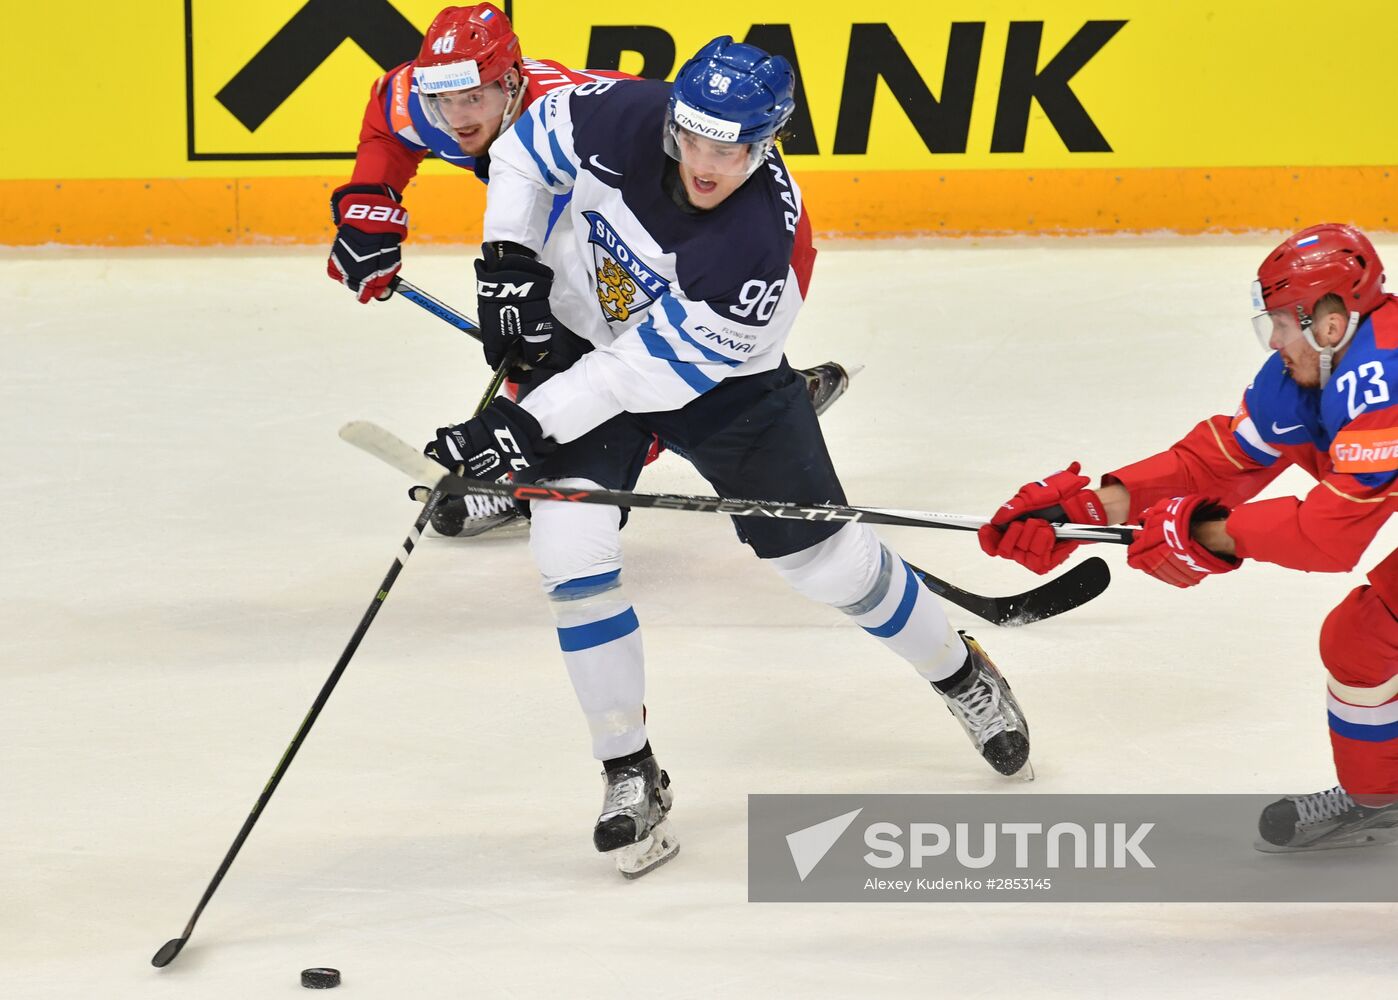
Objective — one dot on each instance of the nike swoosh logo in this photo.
(452, 156)
(1285, 430)
(592, 161)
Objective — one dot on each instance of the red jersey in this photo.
(1345, 435)
(396, 135)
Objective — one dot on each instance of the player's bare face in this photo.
(474, 116)
(1301, 360)
(711, 171)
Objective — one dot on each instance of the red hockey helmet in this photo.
(466, 47)
(1331, 258)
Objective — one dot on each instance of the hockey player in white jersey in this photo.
(692, 253)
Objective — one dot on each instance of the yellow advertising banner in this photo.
(1059, 115)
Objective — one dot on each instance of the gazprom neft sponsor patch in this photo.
(1356, 451)
(453, 76)
(696, 121)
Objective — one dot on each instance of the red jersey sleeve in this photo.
(1207, 460)
(1329, 530)
(381, 158)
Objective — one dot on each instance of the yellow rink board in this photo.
(960, 117)
(447, 209)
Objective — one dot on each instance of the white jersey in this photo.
(673, 300)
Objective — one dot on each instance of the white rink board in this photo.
(188, 546)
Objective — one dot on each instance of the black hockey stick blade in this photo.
(1063, 593)
(167, 952)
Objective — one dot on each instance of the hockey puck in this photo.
(320, 979)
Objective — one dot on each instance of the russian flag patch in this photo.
(1308, 241)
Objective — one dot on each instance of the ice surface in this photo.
(187, 546)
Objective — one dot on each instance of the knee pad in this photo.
(571, 541)
(845, 570)
(1359, 647)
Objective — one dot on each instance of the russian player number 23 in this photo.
(1349, 381)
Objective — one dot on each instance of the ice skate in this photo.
(1324, 821)
(987, 710)
(827, 383)
(633, 827)
(467, 516)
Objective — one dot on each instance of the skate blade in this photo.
(505, 524)
(659, 847)
(1025, 773)
(1360, 838)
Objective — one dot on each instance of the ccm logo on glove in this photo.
(504, 289)
(486, 461)
(1165, 546)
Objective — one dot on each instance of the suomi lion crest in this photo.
(625, 282)
(615, 291)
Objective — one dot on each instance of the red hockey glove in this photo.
(1166, 550)
(366, 253)
(1020, 529)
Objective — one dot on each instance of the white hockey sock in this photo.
(601, 642)
(855, 572)
(907, 618)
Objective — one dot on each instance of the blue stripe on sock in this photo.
(1369, 734)
(585, 582)
(900, 617)
(579, 637)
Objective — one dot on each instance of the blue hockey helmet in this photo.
(731, 93)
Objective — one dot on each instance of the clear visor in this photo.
(458, 110)
(1277, 329)
(708, 157)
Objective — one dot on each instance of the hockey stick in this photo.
(1063, 593)
(436, 307)
(171, 948)
(406, 459)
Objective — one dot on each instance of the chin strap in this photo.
(1327, 354)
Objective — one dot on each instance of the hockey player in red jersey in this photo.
(1325, 400)
(467, 86)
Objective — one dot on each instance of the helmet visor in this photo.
(709, 146)
(1277, 329)
(456, 110)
